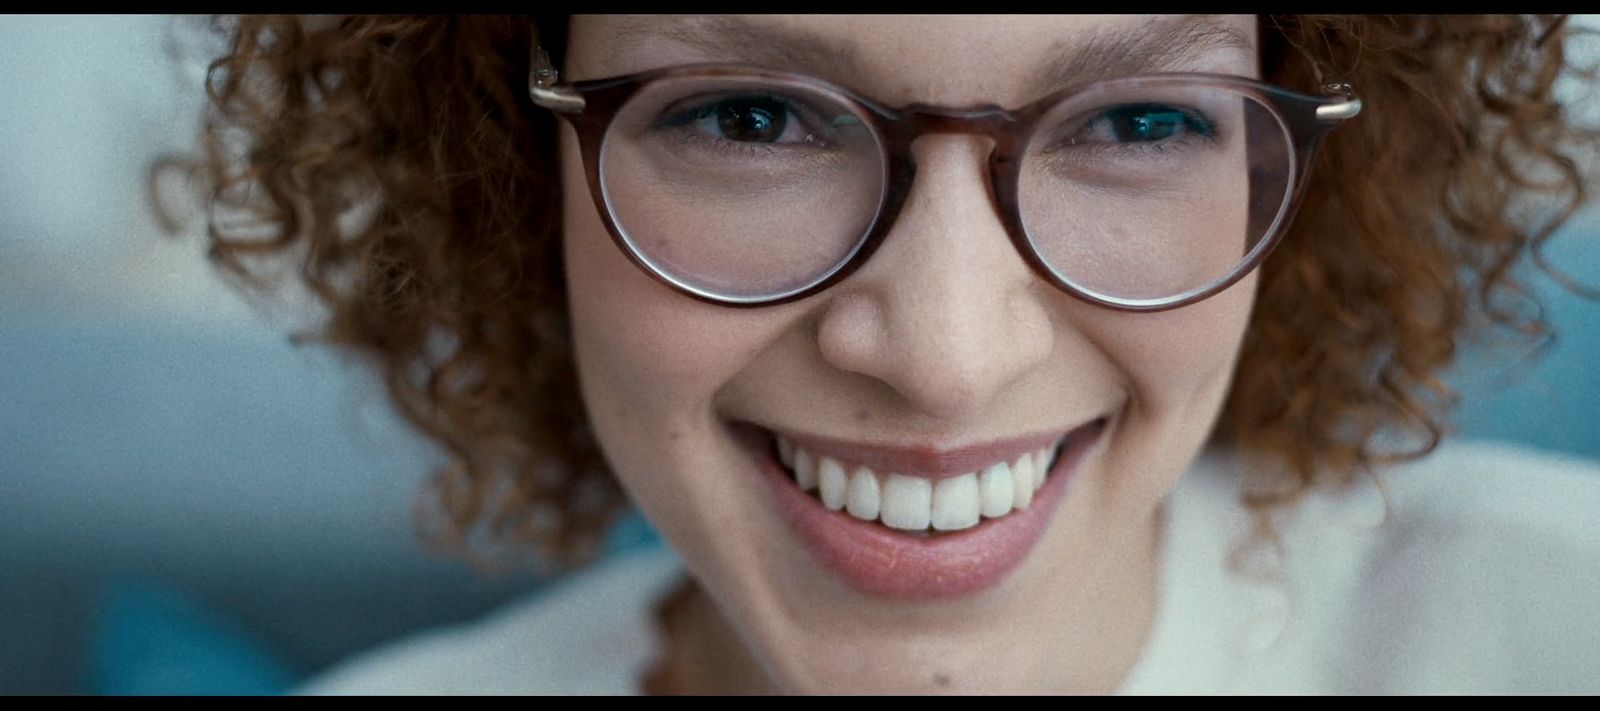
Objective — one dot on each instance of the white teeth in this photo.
(1022, 485)
(907, 502)
(956, 503)
(833, 483)
(913, 503)
(805, 470)
(862, 497)
(995, 484)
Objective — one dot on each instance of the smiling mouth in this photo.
(927, 535)
(916, 504)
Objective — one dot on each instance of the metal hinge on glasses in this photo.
(1342, 110)
(1342, 89)
(541, 83)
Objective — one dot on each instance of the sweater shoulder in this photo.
(588, 633)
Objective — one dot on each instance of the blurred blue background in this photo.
(188, 504)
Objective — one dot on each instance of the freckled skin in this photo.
(944, 335)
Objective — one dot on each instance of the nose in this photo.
(946, 313)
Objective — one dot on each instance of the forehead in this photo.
(950, 60)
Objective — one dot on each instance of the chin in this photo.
(913, 661)
(820, 621)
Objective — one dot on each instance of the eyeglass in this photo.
(742, 186)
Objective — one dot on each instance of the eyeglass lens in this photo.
(755, 188)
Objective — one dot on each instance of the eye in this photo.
(1144, 124)
(748, 119)
(759, 120)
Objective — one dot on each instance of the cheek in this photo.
(645, 354)
(1183, 360)
(651, 363)
(1179, 365)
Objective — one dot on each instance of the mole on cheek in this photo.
(862, 415)
(941, 679)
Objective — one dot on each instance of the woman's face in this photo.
(942, 355)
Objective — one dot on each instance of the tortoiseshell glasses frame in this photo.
(592, 106)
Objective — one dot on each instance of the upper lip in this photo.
(927, 460)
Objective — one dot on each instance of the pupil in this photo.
(757, 121)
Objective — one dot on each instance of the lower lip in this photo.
(882, 562)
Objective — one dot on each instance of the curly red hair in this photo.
(399, 164)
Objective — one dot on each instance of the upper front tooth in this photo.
(831, 474)
(1022, 485)
(907, 502)
(916, 503)
(956, 502)
(861, 498)
(805, 469)
(995, 483)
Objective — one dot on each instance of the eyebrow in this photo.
(740, 41)
(1161, 45)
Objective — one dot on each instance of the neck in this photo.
(700, 652)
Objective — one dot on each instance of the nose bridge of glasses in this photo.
(912, 122)
(917, 120)
(1000, 126)
(946, 296)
